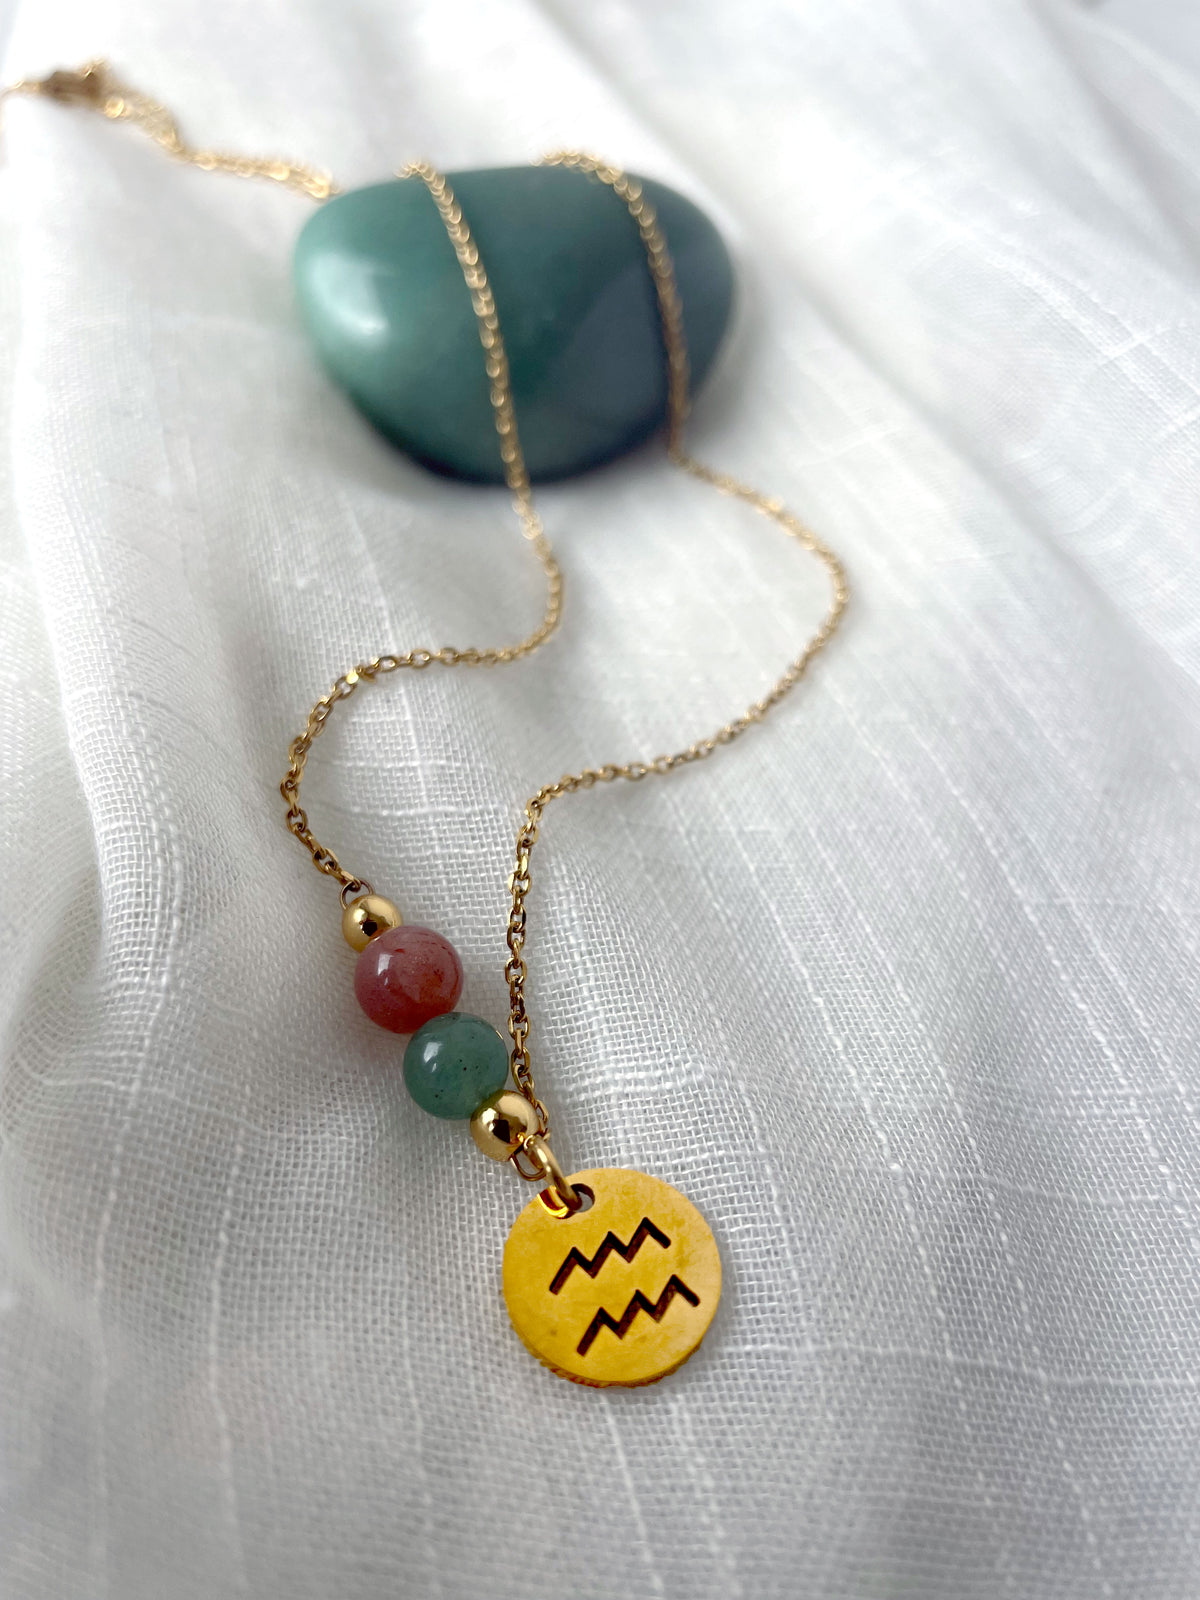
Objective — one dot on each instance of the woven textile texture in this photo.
(901, 990)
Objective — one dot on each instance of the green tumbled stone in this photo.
(454, 1063)
(382, 295)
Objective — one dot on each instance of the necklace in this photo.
(591, 1320)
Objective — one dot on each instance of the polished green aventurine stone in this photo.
(382, 294)
(454, 1063)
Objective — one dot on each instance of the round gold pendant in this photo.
(619, 1293)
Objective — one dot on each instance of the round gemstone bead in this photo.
(406, 976)
(454, 1063)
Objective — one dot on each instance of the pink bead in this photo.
(407, 976)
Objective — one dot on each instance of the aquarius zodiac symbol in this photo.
(612, 1245)
(563, 1289)
(652, 1308)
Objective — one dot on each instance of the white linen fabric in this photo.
(901, 990)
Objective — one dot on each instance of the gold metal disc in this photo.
(620, 1293)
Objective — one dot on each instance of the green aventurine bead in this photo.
(382, 295)
(454, 1063)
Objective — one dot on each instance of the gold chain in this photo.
(517, 478)
(94, 86)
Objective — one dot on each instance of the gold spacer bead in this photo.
(363, 919)
(500, 1124)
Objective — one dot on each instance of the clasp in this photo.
(88, 85)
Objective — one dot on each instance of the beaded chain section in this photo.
(96, 87)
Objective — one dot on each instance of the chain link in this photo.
(94, 85)
(517, 478)
(670, 310)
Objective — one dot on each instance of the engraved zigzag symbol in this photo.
(644, 1230)
(655, 1309)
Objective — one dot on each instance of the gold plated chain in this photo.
(670, 311)
(94, 86)
(517, 479)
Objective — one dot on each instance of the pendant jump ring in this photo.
(355, 890)
(558, 1197)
